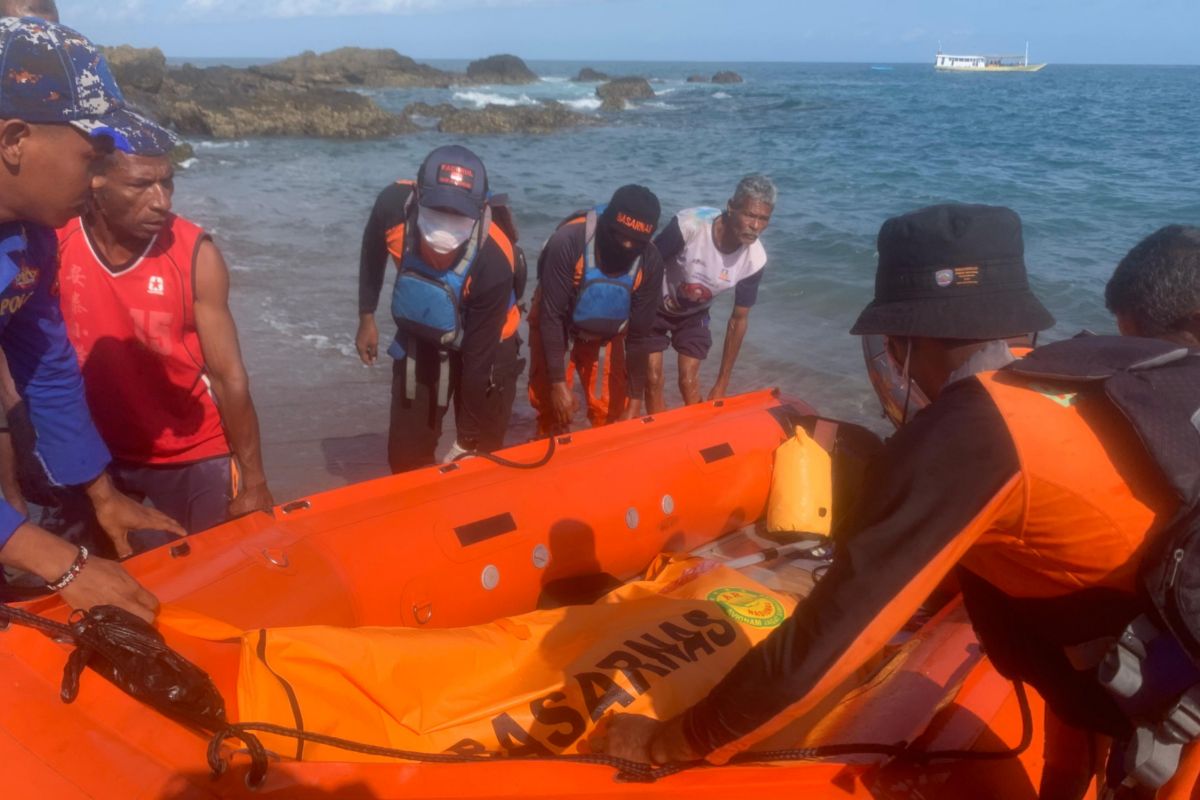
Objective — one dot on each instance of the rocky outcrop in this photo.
(545, 118)
(697, 79)
(429, 110)
(355, 66)
(727, 76)
(589, 75)
(297, 97)
(504, 69)
(182, 153)
(227, 103)
(136, 68)
(616, 92)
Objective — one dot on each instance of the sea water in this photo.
(1092, 157)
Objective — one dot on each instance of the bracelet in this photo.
(72, 572)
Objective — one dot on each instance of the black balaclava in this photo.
(632, 214)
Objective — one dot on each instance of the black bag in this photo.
(133, 655)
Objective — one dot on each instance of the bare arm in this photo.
(735, 332)
(223, 357)
(100, 582)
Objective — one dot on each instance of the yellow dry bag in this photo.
(801, 499)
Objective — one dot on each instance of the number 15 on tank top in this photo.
(153, 329)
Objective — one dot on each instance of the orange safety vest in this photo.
(1090, 496)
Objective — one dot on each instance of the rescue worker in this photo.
(145, 295)
(59, 110)
(599, 281)
(705, 253)
(1155, 290)
(455, 302)
(9, 485)
(1041, 497)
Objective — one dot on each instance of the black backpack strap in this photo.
(1095, 358)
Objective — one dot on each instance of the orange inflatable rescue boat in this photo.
(481, 619)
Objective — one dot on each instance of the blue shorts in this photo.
(689, 335)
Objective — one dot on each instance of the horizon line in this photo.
(677, 60)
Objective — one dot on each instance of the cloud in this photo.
(276, 9)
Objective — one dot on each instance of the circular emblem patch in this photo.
(748, 607)
(944, 277)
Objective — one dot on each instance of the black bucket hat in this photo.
(953, 271)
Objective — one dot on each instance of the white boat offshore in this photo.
(974, 63)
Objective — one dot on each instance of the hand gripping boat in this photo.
(403, 613)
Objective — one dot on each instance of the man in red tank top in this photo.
(145, 297)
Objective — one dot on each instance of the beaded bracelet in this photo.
(72, 572)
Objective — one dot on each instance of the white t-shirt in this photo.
(700, 272)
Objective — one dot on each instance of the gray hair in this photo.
(755, 187)
(1157, 285)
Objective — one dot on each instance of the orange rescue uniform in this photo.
(1042, 497)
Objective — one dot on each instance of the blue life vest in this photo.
(603, 302)
(426, 301)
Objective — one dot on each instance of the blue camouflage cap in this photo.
(50, 73)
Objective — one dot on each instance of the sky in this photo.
(1059, 31)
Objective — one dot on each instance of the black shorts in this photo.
(689, 335)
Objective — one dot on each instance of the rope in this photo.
(627, 771)
(504, 462)
(56, 630)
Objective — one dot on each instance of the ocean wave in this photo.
(656, 104)
(188, 163)
(554, 79)
(481, 99)
(661, 92)
(291, 330)
(322, 342)
(721, 96)
(211, 145)
(583, 103)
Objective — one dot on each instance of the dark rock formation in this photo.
(227, 103)
(616, 92)
(182, 153)
(545, 118)
(697, 79)
(135, 68)
(727, 76)
(429, 110)
(355, 66)
(296, 97)
(589, 75)
(504, 69)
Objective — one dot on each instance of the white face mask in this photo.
(443, 231)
